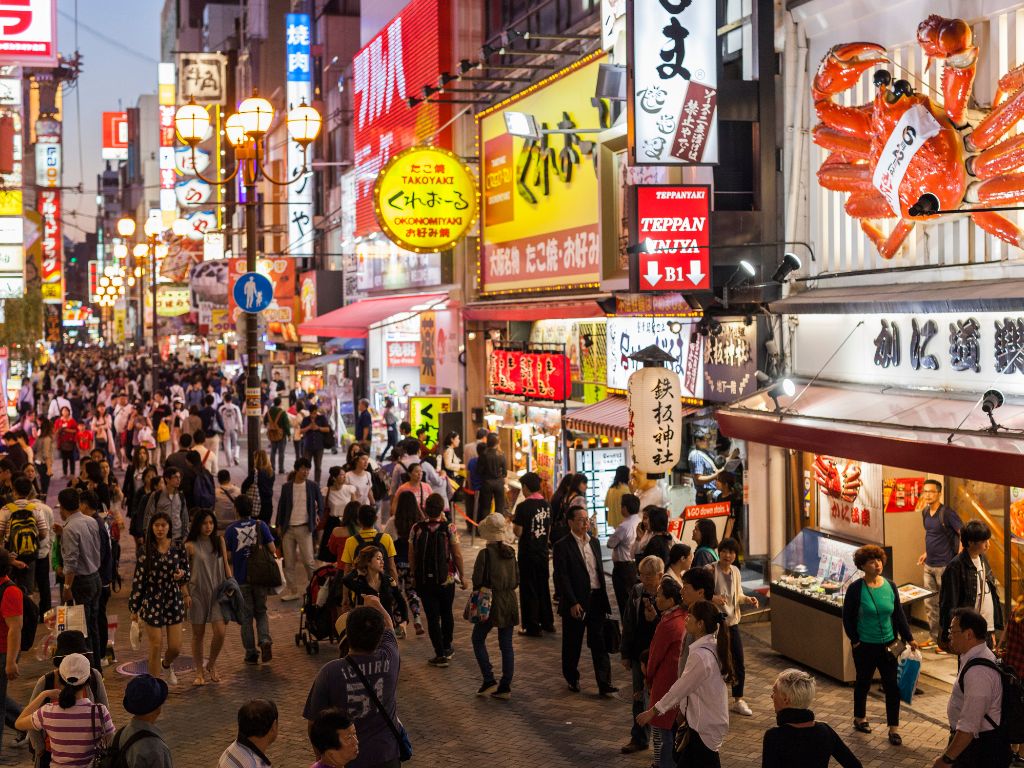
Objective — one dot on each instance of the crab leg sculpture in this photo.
(901, 148)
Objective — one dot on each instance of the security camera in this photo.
(991, 400)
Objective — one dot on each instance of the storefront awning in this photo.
(886, 426)
(354, 321)
(900, 297)
(318, 362)
(529, 311)
(608, 417)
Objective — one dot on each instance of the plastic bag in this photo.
(909, 672)
(44, 650)
(135, 635)
(284, 582)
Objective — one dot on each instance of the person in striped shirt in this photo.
(75, 725)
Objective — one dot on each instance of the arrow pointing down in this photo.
(653, 275)
(695, 274)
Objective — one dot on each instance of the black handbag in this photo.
(612, 635)
(262, 571)
(399, 732)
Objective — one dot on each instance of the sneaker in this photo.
(288, 598)
(400, 632)
(607, 693)
(252, 658)
(438, 661)
(740, 707)
(503, 692)
(450, 653)
(172, 679)
(266, 652)
(487, 688)
(926, 643)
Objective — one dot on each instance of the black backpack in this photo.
(1011, 720)
(433, 554)
(203, 491)
(29, 617)
(362, 543)
(116, 755)
(23, 535)
(378, 485)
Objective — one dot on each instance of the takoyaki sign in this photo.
(849, 494)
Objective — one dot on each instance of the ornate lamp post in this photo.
(246, 131)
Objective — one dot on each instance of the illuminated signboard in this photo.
(53, 246)
(48, 163)
(674, 225)
(115, 136)
(298, 70)
(28, 32)
(166, 109)
(533, 375)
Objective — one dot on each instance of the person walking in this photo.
(43, 450)
(364, 423)
(624, 576)
(24, 531)
(359, 478)
(798, 739)
(231, 418)
(531, 524)
(493, 470)
(391, 425)
(314, 430)
(264, 477)
(942, 527)
(729, 597)
(171, 502)
(299, 509)
(435, 560)
(209, 566)
(969, 582)
(700, 691)
(415, 485)
(584, 604)
(66, 430)
(11, 618)
(241, 538)
(496, 569)
(279, 430)
(639, 620)
(213, 427)
(975, 706)
(406, 514)
(80, 548)
(369, 577)
(661, 668)
(160, 594)
(872, 619)
(141, 741)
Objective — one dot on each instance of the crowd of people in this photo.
(377, 552)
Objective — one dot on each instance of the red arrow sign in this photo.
(674, 227)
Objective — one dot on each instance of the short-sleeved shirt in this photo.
(10, 606)
(941, 542)
(702, 464)
(364, 424)
(348, 555)
(71, 731)
(240, 537)
(337, 685)
(314, 439)
(534, 517)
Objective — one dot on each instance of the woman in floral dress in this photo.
(160, 593)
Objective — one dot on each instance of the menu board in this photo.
(599, 466)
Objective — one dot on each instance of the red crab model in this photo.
(903, 152)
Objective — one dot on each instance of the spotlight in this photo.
(465, 65)
(991, 400)
(445, 78)
(512, 34)
(775, 388)
(926, 205)
(428, 91)
(487, 50)
(743, 272)
(588, 340)
(412, 101)
(790, 263)
(675, 326)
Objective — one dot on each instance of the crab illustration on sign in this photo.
(903, 149)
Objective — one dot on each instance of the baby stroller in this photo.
(321, 606)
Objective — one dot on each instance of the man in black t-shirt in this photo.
(532, 524)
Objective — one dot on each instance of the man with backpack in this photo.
(231, 416)
(279, 429)
(213, 426)
(23, 529)
(204, 487)
(141, 744)
(434, 561)
(984, 706)
(242, 537)
(369, 536)
(170, 501)
(941, 543)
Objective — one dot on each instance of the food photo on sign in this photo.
(849, 497)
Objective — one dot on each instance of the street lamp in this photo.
(126, 227)
(246, 131)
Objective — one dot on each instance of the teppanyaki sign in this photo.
(673, 224)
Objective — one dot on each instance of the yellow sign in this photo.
(541, 202)
(120, 320)
(425, 411)
(172, 300)
(10, 202)
(425, 199)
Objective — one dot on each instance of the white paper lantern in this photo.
(655, 419)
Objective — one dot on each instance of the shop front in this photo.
(856, 457)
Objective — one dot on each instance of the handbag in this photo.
(263, 570)
(612, 635)
(71, 616)
(909, 672)
(252, 493)
(478, 607)
(399, 732)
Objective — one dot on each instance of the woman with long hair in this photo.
(208, 559)
(406, 514)
(415, 485)
(701, 692)
(75, 726)
(66, 430)
(450, 461)
(348, 526)
(264, 477)
(359, 478)
(705, 536)
(101, 424)
(613, 498)
(160, 593)
(151, 483)
(369, 577)
(663, 663)
(44, 454)
(133, 476)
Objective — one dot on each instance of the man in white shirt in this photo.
(231, 415)
(621, 542)
(975, 704)
(299, 509)
(58, 402)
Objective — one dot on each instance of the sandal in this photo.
(200, 680)
(895, 739)
(212, 674)
(863, 727)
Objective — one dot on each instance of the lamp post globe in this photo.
(303, 123)
(256, 115)
(152, 227)
(126, 227)
(140, 250)
(234, 129)
(192, 121)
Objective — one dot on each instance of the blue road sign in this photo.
(253, 292)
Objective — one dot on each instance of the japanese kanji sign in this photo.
(425, 411)
(533, 375)
(53, 246)
(673, 223)
(298, 57)
(849, 498)
(425, 199)
(28, 32)
(201, 76)
(672, 46)
(115, 136)
(655, 419)
(403, 354)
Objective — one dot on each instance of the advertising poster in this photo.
(901, 494)
(628, 335)
(1017, 514)
(849, 498)
(425, 411)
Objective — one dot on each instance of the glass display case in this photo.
(816, 565)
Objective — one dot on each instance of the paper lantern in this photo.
(655, 419)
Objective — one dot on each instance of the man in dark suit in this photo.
(584, 601)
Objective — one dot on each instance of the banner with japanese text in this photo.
(849, 498)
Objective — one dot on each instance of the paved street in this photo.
(543, 723)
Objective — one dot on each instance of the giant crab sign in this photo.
(903, 156)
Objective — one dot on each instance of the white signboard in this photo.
(962, 352)
(673, 51)
(849, 498)
(202, 76)
(47, 164)
(12, 258)
(628, 335)
(28, 32)
(12, 230)
(10, 92)
(12, 286)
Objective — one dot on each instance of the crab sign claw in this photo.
(842, 67)
(952, 41)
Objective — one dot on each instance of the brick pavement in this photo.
(543, 722)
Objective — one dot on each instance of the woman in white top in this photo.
(700, 692)
(359, 478)
(729, 597)
(338, 493)
(450, 461)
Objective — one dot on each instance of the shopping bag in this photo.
(279, 561)
(909, 671)
(71, 617)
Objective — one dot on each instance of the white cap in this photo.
(75, 669)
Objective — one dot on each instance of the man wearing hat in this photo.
(141, 741)
(704, 469)
(532, 524)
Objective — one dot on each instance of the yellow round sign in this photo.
(426, 199)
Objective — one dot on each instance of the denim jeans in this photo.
(508, 657)
(664, 746)
(277, 455)
(86, 592)
(255, 600)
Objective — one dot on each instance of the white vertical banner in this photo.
(299, 82)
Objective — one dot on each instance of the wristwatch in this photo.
(947, 759)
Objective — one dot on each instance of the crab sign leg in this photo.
(845, 177)
(951, 40)
(868, 204)
(998, 122)
(999, 226)
(888, 246)
(1008, 83)
(855, 121)
(1005, 156)
(834, 141)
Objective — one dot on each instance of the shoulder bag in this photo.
(478, 607)
(897, 646)
(398, 731)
